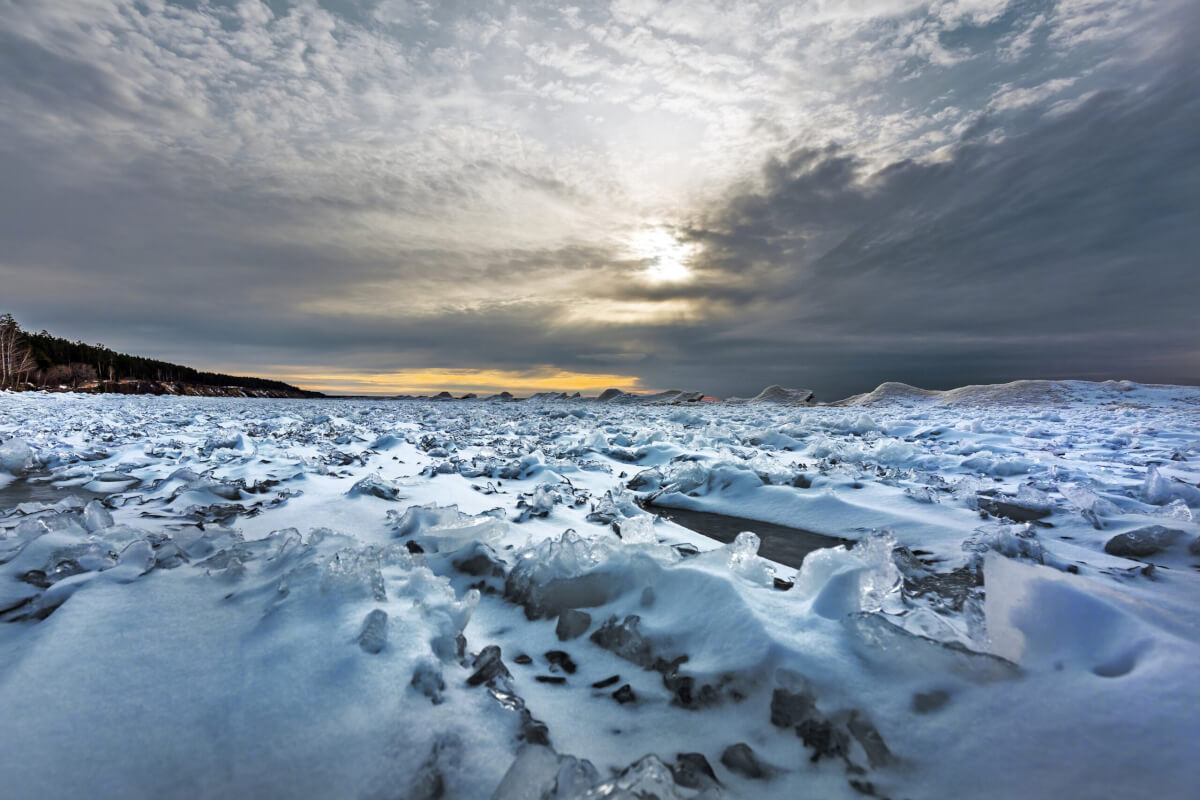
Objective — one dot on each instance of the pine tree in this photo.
(16, 356)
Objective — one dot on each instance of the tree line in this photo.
(42, 360)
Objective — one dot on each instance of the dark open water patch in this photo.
(779, 542)
(24, 491)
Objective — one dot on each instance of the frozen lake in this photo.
(310, 598)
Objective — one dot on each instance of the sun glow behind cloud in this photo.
(456, 381)
(667, 259)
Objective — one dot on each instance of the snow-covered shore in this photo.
(210, 597)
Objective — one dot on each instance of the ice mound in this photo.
(614, 505)
(775, 395)
(729, 639)
(671, 397)
(886, 394)
(1160, 489)
(695, 479)
(236, 443)
(374, 486)
(840, 582)
(1024, 392)
(290, 634)
(644, 599)
(1014, 541)
(540, 772)
(1043, 619)
(52, 554)
(884, 642)
(999, 467)
(1090, 505)
(17, 457)
(445, 528)
(387, 441)
(538, 503)
(573, 572)
(648, 777)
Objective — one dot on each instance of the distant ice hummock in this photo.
(776, 395)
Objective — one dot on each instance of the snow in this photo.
(464, 598)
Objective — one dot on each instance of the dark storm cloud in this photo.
(1067, 250)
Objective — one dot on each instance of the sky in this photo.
(391, 196)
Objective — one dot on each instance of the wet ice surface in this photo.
(779, 543)
(15, 492)
(209, 597)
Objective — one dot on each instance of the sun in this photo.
(667, 259)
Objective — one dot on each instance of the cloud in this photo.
(1064, 250)
(865, 190)
(1009, 97)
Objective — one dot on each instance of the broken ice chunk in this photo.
(1142, 542)
(136, 559)
(922, 494)
(1176, 509)
(374, 486)
(1045, 619)
(741, 759)
(488, 666)
(572, 624)
(647, 777)
(638, 530)
(880, 583)
(904, 650)
(1160, 489)
(869, 738)
(624, 639)
(538, 504)
(1013, 508)
(373, 636)
(447, 529)
(1010, 540)
(744, 561)
(96, 516)
(17, 457)
(693, 771)
(540, 772)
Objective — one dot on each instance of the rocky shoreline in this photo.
(168, 388)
